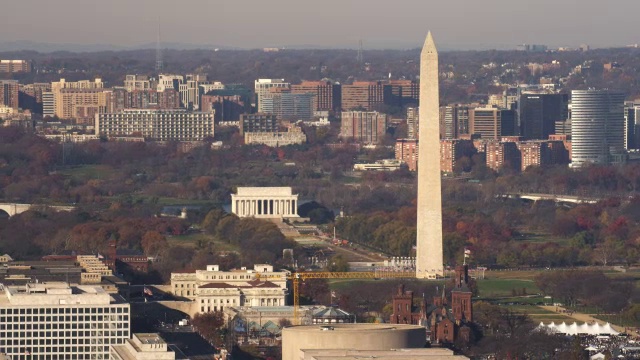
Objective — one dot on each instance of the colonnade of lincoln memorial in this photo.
(264, 202)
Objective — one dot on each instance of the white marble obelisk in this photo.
(429, 256)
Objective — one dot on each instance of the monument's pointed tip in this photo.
(429, 44)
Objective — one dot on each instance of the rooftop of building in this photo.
(357, 327)
(24, 272)
(147, 346)
(331, 312)
(417, 353)
(265, 191)
(55, 293)
(149, 338)
(249, 284)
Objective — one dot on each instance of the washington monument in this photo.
(429, 242)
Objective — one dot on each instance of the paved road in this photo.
(360, 255)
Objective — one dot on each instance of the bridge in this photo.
(554, 197)
(13, 209)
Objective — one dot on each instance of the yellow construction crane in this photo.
(295, 278)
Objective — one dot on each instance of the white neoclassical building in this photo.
(265, 202)
(215, 290)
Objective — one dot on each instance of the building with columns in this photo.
(215, 290)
(265, 202)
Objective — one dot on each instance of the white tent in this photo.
(575, 329)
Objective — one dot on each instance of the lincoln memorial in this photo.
(265, 202)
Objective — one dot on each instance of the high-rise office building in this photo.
(364, 95)
(508, 123)
(412, 122)
(190, 91)
(597, 126)
(288, 106)
(262, 88)
(48, 104)
(448, 122)
(56, 320)
(327, 95)
(15, 66)
(258, 122)
(138, 82)
(169, 81)
(144, 99)
(366, 127)
(462, 120)
(631, 125)
(539, 114)
(486, 122)
(30, 96)
(9, 90)
(79, 100)
(403, 93)
(158, 125)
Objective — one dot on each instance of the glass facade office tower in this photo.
(597, 126)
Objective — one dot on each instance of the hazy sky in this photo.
(327, 23)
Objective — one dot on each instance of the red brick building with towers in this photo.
(446, 322)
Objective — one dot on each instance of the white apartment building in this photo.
(216, 85)
(137, 82)
(60, 321)
(263, 86)
(190, 91)
(158, 125)
(275, 139)
(143, 347)
(214, 290)
(169, 81)
(48, 104)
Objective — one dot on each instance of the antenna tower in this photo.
(158, 51)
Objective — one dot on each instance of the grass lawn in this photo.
(493, 288)
(557, 318)
(526, 301)
(193, 241)
(168, 201)
(619, 320)
(87, 172)
(540, 238)
(531, 310)
(338, 284)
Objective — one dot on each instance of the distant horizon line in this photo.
(46, 47)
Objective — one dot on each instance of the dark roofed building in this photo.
(124, 260)
(445, 324)
(25, 272)
(332, 315)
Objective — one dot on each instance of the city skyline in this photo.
(285, 23)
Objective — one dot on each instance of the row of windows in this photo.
(215, 301)
(67, 318)
(68, 326)
(63, 310)
(61, 338)
(81, 352)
